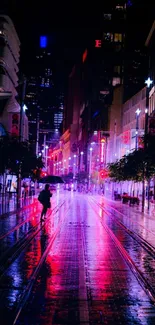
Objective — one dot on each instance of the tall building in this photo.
(9, 59)
(44, 101)
(91, 84)
(108, 62)
(150, 44)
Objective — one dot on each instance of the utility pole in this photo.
(20, 139)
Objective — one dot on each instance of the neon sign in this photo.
(102, 149)
(43, 41)
(98, 43)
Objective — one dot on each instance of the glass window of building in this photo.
(108, 37)
(116, 81)
(118, 37)
(107, 16)
(117, 69)
(119, 7)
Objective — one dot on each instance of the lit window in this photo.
(116, 81)
(107, 16)
(117, 69)
(108, 37)
(117, 37)
(118, 7)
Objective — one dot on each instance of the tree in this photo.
(17, 155)
(138, 166)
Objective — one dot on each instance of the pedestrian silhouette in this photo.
(44, 199)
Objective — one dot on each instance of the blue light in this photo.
(129, 3)
(43, 41)
(95, 114)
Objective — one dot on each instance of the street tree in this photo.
(15, 155)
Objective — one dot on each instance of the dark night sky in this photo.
(70, 24)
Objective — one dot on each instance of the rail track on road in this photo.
(27, 291)
(12, 252)
(114, 229)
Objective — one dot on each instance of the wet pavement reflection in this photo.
(84, 279)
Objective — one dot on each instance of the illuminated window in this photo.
(107, 16)
(117, 69)
(117, 37)
(116, 81)
(118, 7)
(108, 37)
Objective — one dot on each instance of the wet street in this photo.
(89, 262)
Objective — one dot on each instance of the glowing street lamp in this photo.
(46, 150)
(90, 162)
(138, 111)
(148, 82)
(137, 126)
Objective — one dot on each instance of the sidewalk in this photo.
(137, 208)
(9, 205)
(132, 217)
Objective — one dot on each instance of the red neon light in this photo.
(98, 43)
(84, 55)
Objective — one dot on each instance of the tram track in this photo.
(27, 291)
(144, 243)
(9, 256)
(18, 226)
(146, 285)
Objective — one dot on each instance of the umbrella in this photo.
(51, 180)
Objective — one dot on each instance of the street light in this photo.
(74, 166)
(90, 160)
(137, 126)
(46, 149)
(148, 82)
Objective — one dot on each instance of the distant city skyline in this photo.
(70, 28)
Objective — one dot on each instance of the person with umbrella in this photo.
(44, 199)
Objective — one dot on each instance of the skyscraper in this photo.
(44, 101)
(106, 64)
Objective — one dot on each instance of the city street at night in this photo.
(87, 263)
(77, 163)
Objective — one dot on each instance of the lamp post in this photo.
(21, 138)
(74, 170)
(81, 160)
(148, 83)
(46, 153)
(137, 126)
(90, 161)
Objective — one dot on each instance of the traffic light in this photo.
(102, 174)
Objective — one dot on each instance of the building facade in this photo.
(9, 59)
(44, 99)
(127, 125)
